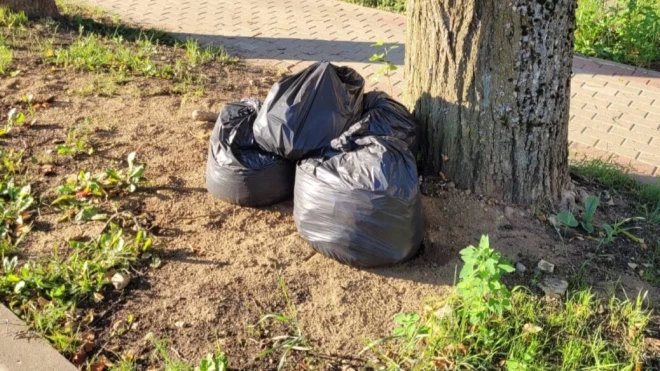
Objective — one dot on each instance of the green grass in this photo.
(398, 6)
(522, 332)
(16, 202)
(212, 362)
(652, 273)
(11, 19)
(627, 32)
(6, 55)
(199, 55)
(90, 53)
(617, 178)
(46, 293)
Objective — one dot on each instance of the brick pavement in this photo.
(615, 109)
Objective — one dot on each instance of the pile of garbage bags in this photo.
(348, 158)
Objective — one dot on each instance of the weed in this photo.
(612, 175)
(46, 294)
(293, 339)
(16, 202)
(81, 195)
(212, 362)
(610, 232)
(652, 215)
(652, 271)
(479, 279)
(11, 19)
(533, 334)
(103, 85)
(198, 55)
(387, 68)
(627, 32)
(6, 57)
(567, 218)
(14, 118)
(76, 141)
(89, 53)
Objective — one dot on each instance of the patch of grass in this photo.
(90, 53)
(489, 327)
(616, 177)
(76, 141)
(292, 340)
(103, 85)
(6, 56)
(212, 362)
(627, 32)
(16, 202)
(652, 215)
(80, 196)
(11, 19)
(199, 55)
(398, 6)
(46, 294)
(651, 272)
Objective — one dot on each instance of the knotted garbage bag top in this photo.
(304, 112)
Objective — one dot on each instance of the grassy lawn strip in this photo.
(626, 31)
(398, 6)
(482, 325)
(617, 178)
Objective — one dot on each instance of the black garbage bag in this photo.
(391, 118)
(237, 170)
(304, 112)
(359, 202)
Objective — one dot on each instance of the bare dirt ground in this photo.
(223, 265)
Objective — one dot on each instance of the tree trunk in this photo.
(489, 81)
(33, 8)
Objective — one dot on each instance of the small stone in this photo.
(508, 212)
(120, 280)
(451, 185)
(444, 312)
(605, 196)
(529, 328)
(553, 287)
(520, 267)
(567, 201)
(610, 202)
(633, 265)
(545, 266)
(468, 192)
(48, 170)
(180, 324)
(582, 195)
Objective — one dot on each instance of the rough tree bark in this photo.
(489, 81)
(33, 8)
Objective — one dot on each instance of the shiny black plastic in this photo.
(359, 202)
(391, 118)
(237, 170)
(304, 112)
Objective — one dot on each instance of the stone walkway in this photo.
(615, 109)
